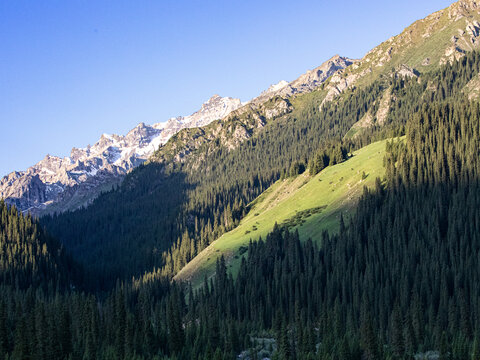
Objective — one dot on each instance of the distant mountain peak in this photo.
(276, 87)
(214, 97)
(306, 82)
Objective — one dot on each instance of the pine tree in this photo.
(475, 355)
(397, 340)
(284, 347)
(369, 339)
(4, 343)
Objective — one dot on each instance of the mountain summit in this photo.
(215, 108)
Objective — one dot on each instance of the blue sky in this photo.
(72, 70)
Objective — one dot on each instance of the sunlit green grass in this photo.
(309, 204)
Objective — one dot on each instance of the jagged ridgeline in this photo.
(199, 185)
(165, 212)
(29, 257)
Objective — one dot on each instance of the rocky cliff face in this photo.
(59, 184)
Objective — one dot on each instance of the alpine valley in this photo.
(336, 216)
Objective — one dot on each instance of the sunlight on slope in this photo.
(309, 204)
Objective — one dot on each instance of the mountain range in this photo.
(76, 180)
(57, 184)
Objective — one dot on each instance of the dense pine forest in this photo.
(400, 279)
(30, 257)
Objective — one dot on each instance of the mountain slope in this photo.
(198, 185)
(306, 82)
(242, 123)
(400, 281)
(439, 38)
(57, 185)
(187, 184)
(310, 204)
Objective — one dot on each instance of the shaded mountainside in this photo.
(395, 275)
(31, 258)
(154, 197)
(399, 280)
(144, 225)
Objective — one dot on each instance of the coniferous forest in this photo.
(400, 279)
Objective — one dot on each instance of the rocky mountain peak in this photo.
(313, 78)
(140, 132)
(215, 108)
(306, 82)
(275, 87)
(215, 98)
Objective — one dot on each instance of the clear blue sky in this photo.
(72, 70)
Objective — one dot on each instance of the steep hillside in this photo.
(309, 204)
(183, 203)
(172, 193)
(440, 38)
(399, 282)
(242, 123)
